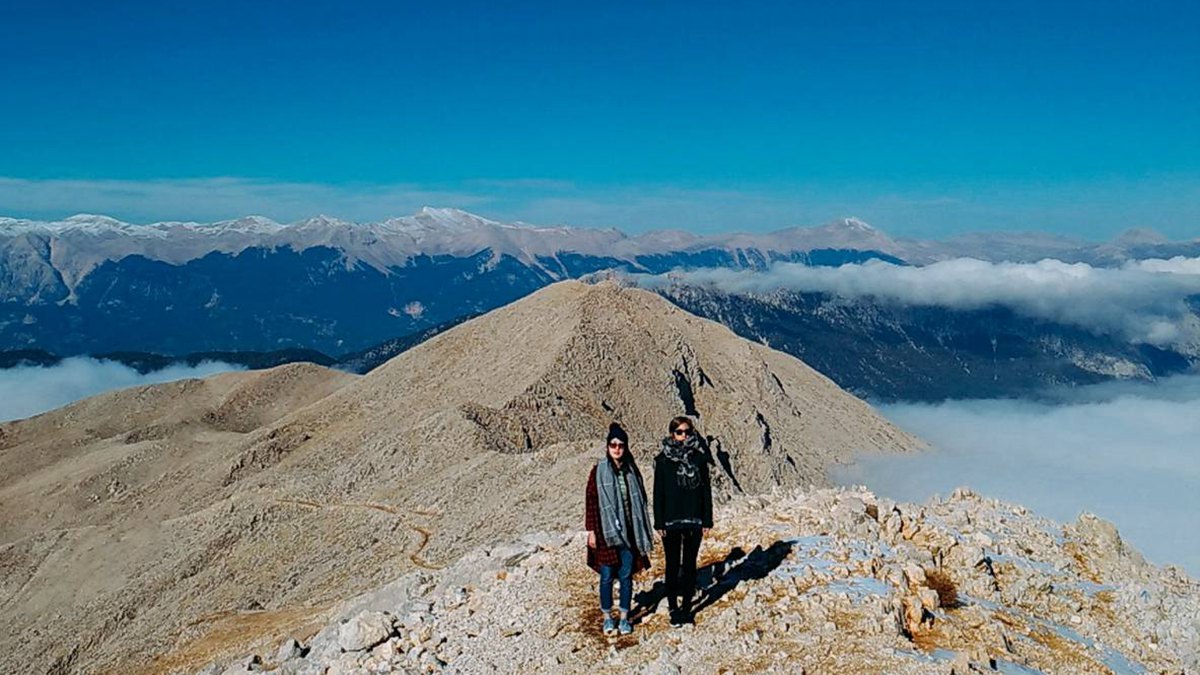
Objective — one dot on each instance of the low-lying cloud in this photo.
(1127, 452)
(1144, 301)
(29, 390)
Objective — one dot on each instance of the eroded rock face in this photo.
(833, 580)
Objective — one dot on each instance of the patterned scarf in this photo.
(612, 508)
(686, 455)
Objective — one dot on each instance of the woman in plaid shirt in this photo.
(619, 534)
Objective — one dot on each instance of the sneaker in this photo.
(626, 627)
(610, 626)
(676, 618)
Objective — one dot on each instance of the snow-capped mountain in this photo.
(91, 283)
(83, 242)
(94, 283)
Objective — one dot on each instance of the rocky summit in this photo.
(823, 581)
(161, 528)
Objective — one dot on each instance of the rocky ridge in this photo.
(832, 580)
(251, 503)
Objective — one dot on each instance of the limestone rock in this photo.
(290, 649)
(364, 631)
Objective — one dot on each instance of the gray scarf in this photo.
(612, 508)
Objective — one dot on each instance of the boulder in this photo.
(290, 649)
(364, 631)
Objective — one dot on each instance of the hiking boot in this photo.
(610, 626)
(676, 618)
(626, 627)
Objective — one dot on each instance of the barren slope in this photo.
(252, 515)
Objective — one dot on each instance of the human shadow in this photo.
(757, 565)
(717, 578)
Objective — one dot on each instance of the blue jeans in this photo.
(610, 573)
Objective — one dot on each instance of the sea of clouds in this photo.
(1128, 452)
(29, 390)
(1143, 301)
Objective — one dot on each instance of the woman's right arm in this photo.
(591, 509)
(659, 496)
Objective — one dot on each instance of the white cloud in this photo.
(1127, 452)
(29, 390)
(1176, 265)
(1141, 302)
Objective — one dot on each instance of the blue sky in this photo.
(924, 118)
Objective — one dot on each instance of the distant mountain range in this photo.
(928, 353)
(354, 294)
(94, 284)
(876, 352)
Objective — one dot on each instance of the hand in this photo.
(661, 533)
(704, 532)
(591, 540)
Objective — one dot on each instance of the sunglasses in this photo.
(616, 444)
(682, 432)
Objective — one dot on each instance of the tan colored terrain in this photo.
(206, 516)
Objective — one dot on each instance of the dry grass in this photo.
(1082, 565)
(228, 635)
(873, 511)
(1066, 653)
(940, 581)
(929, 637)
(578, 591)
(1103, 606)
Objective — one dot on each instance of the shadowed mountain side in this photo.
(292, 503)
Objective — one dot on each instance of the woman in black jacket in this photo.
(682, 511)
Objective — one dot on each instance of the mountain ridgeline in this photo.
(928, 353)
(92, 285)
(351, 296)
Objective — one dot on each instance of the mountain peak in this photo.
(322, 220)
(853, 224)
(1139, 235)
(93, 217)
(599, 346)
(452, 216)
(247, 224)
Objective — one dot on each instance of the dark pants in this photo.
(681, 548)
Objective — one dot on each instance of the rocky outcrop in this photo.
(834, 580)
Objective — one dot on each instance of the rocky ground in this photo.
(827, 581)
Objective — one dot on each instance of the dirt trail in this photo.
(423, 533)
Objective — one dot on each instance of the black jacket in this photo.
(682, 493)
